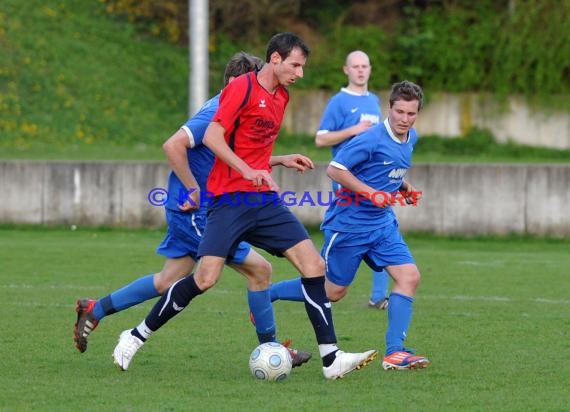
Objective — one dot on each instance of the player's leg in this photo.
(219, 240)
(257, 271)
(289, 289)
(179, 247)
(396, 257)
(379, 292)
(173, 302)
(336, 363)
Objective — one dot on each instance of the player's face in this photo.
(291, 69)
(358, 70)
(402, 116)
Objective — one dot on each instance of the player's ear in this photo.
(275, 57)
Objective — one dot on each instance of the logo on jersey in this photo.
(387, 163)
(353, 110)
(262, 103)
(397, 173)
(372, 118)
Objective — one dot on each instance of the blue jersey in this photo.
(346, 109)
(379, 159)
(200, 158)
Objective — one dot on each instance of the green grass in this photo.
(492, 314)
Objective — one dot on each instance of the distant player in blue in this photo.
(348, 113)
(356, 229)
(191, 163)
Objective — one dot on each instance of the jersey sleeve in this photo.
(231, 102)
(355, 151)
(196, 126)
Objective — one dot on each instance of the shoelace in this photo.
(131, 347)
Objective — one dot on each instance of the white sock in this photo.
(144, 330)
(326, 348)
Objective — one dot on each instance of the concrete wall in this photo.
(453, 115)
(457, 198)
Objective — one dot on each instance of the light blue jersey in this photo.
(200, 158)
(346, 109)
(379, 159)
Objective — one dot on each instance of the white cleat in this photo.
(347, 362)
(126, 348)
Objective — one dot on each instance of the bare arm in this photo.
(335, 137)
(214, 140)
(176, 148)
(293, 161)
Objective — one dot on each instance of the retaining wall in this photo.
(457, 198)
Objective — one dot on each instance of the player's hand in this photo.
(192, 202)
(259, 178)
(362, 127)
(411, 194)
(297, 161)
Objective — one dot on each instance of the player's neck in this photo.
(267, 80)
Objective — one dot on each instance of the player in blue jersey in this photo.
(371, 168)
(191, 163)
(348, 113)
(361, 226)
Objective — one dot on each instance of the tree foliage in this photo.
(501, 46)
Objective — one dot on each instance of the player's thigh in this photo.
(342, 253)
(250, 263)
(306, 259)
(389, 249)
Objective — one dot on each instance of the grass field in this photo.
(493, 315)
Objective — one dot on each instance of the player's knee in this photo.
(336, 294)
(206, 279)
(265, 269)
(163, 281)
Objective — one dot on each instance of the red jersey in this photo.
(251, 117)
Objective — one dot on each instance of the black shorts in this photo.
(257, 218)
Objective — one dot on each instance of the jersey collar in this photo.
(392, 135)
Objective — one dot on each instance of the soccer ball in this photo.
(270, 361)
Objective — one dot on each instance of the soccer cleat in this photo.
(347, 362)
(85, 324)
(382, 304)
(298, 357)
(403, 360)
(126, 349)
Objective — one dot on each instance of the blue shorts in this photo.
(262, 221)
(379, 248)
(184, 234)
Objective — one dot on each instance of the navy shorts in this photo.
(257, 218)
(184, 234)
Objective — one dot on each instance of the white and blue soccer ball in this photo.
(270, 361)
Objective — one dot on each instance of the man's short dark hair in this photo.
(283, 43)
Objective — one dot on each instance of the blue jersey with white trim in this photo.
(346, 109)
(380, 160)
(200, 158)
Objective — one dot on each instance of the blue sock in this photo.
(318, 308)
(140, 290)
(262, 311)
(287, 290)
(399, 318)
(379, 286)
